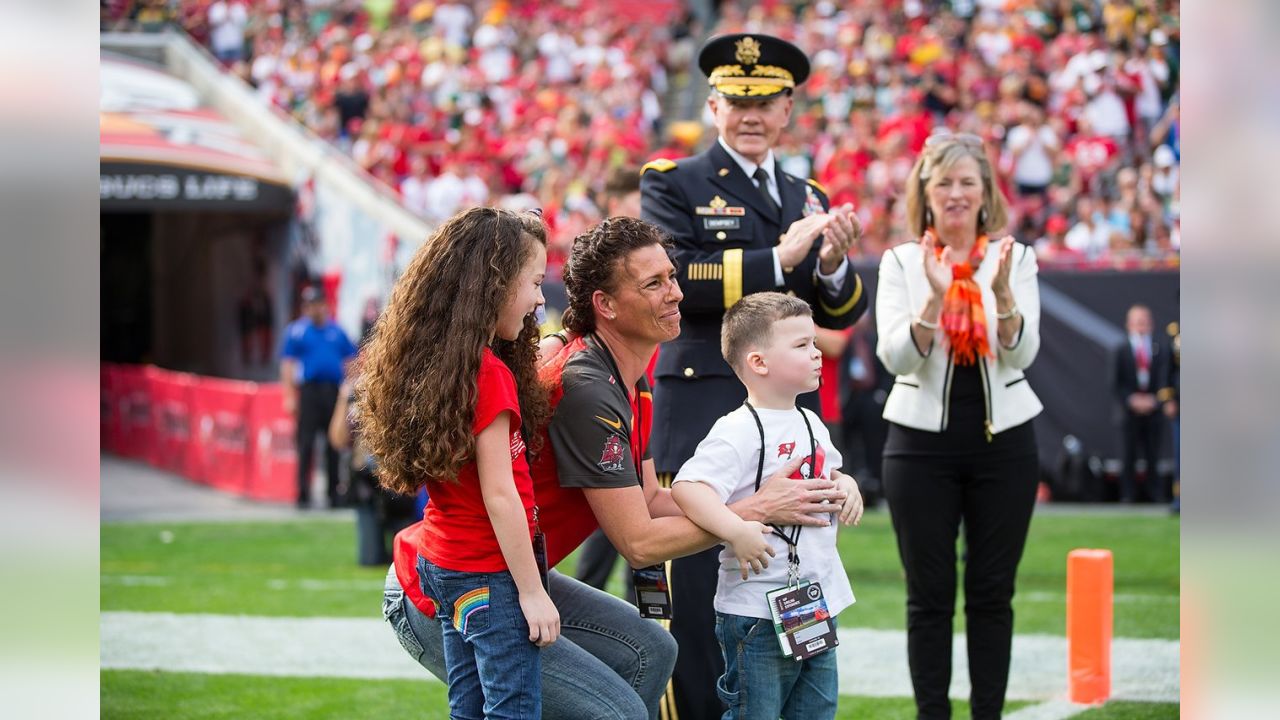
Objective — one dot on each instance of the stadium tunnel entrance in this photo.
(195, 228)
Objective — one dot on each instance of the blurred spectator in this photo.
(1052, 250)
(351, 101)
(445, 194)
(1032, 147)
(227, 21)
(1164, 178)
(413, 189)
(1141, 368)
(312, 365)
(1090, 236)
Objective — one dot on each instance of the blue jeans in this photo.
(760, 683)
(492, 666)
(608, 663)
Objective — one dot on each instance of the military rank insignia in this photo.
(718, 206)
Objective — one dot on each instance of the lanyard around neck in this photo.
(792, 536)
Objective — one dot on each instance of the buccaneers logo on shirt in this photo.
(517, 445)
(808, 468)
(785, 449)
(611, 457)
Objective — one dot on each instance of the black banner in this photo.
(131, 187)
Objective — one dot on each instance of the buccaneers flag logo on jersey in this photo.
(611, 457)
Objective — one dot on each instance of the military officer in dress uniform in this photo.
(739, 225)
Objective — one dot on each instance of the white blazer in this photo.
(922, 387)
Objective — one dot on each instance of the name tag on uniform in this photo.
(721, 223)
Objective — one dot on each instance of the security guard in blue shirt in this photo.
(312, 366)
(739, 225)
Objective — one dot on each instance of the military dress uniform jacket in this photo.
(724, 237)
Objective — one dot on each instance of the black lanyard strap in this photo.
(792, 535)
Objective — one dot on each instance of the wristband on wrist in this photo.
(925, 323)
(1012, 313)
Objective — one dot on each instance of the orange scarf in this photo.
(963, 319)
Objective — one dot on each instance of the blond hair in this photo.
(748, 324)
(936, 160)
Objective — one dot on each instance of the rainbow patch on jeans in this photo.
(469, 604)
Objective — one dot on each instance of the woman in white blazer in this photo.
(958, 317)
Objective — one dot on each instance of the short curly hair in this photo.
(594, 261)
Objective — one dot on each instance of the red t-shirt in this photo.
(564, 513)
(405, 553)
(458, 534)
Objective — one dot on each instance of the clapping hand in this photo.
(1000, 282)
(838, 237)
(936, 268)
(799, 239)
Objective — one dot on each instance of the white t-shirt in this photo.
(227, 23)
(1092, 241)
(1107, 115)
(726, 460)
(1035, 165)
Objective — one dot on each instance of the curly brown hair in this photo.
(593, 263)
(416, 396)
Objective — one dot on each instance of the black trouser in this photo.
(929, 497)
(316, 401)
(1141, 439)
(700, 663)
(596, 558)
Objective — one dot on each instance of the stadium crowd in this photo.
(1077, 99)
(454, 104)
(528, 104)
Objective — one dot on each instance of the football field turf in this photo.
(306, 568)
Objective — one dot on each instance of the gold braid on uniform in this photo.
(853, 300)
(732, 261)
(667, 704)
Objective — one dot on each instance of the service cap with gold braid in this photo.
(752, 66)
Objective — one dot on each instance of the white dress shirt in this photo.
(832, 282)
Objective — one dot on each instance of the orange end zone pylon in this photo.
(1089, 622)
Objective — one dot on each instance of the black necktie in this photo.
(762, 177)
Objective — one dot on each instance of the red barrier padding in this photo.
(219, 450)
(133, 408)
(171, 413)
(274, 459)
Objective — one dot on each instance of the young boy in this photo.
(769, 340)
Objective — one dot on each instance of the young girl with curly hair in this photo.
(448, 396)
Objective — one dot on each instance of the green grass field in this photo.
(259, 569)
(270, 568)
(134, 694)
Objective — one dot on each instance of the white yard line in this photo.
(872, 662)
(1052, 710)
